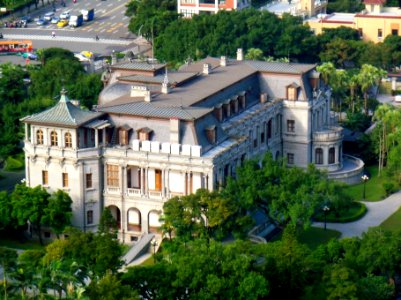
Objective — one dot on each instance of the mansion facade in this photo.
(157, 134)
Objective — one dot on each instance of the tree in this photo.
(8, 261)
(5, 210)
(368, 77)
(29, 204)
(58, 212)
(254, 54)
(107, 223)
(340, 282)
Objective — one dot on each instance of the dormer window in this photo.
(144, 134)
(53, 138)
(218, 112)
(39, 137)
(68, 140)
(242, 101)
(211, 134)
(292, 92)
(227, 109)
(123, 134)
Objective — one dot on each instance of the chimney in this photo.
(175, 131)
(165, 85)
(223, 61)
(240, 54)
(206, 69)
(263, 97)
(141, 91)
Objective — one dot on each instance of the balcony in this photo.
(134, 192)
(330, 134)
(112, 190)
(155, 194)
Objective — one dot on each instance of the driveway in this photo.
(377, 213)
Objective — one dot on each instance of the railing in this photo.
(329, 134)
(133, 192)
(113, 190)
(176, 194)
(155, 194)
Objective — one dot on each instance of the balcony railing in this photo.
(155, 194)
(112, 190)
(133, 191)
(328, 134)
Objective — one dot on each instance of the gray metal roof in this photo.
(280, 67)
(149, 109)
(138, 65)
(64, 113)
(173, 78)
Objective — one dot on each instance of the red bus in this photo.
(16, 46)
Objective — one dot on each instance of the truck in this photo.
(89, 14)
(76, 20)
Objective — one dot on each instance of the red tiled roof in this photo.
(375, 2)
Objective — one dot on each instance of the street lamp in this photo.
(325, 210)
(364, 179)
(154, 244)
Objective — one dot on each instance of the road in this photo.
(110, 25)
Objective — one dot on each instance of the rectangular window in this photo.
(89, 217)
(89, 180)
(290, 126)
(360, 31)
(65, 179)
(394, 31)
(290, 158)
(379, 33)
(112, 175)
(45, 178)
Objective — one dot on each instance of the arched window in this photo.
(68, 140)
(319, 156)
(53, 138)
(39, 137)
(332, 155)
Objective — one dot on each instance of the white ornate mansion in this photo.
(156, 135)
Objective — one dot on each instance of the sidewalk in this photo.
(377, 213)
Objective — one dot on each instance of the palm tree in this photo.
(368, 77)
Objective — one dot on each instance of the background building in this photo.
(374, 23)
(188, 8)
(157, 134)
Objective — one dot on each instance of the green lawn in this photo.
(356, 211)
(374, 187)
(313, 237)
(393, 222)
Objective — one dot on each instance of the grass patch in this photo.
(14, 244)
(393, 223)
(356, 211)
(148, 262)
(374, 187)
(15, 163)
(313, 237)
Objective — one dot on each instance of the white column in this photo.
(142, 187)
(104, 136)
(163, 183)
(33, 136)
(96, 138)
(123, 183)
(147, 181)
(167, 183)
(26, 132)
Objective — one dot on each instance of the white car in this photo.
(65, 15)
(397, 98)
(81, 57)
(48, 16)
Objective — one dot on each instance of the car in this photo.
(26, 18)
(48, 16)
(81, 58)
(41, 22)
(87, 54)
(65, 15)
(55, 20)
(62, 23)
(397, 98)
(30, 55)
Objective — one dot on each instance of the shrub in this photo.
(389, 188)
(13, 164)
